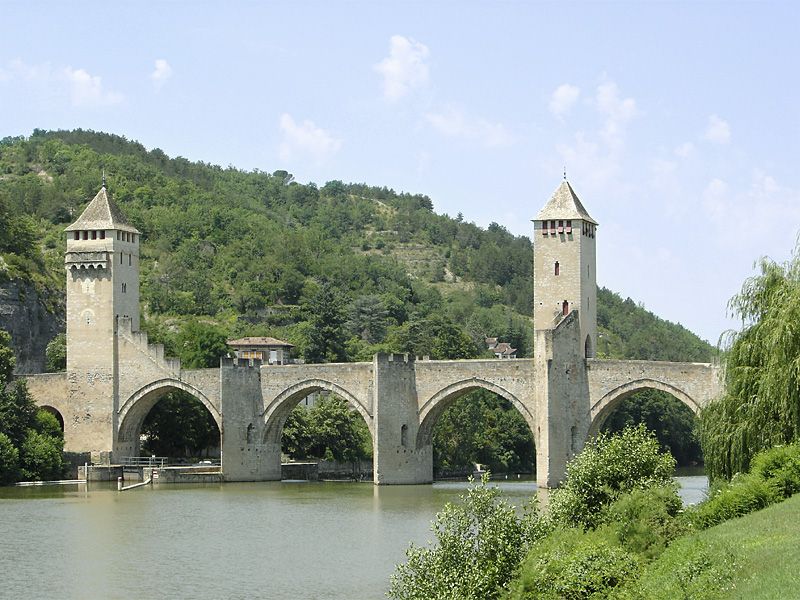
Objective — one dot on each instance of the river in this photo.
(237, 540)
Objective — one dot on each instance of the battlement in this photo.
(153, 351)
(246, 363)
(394, 357)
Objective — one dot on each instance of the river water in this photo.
(237, 540)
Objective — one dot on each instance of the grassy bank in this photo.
(752, 557)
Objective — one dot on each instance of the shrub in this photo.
(481, 542)
(646, 521)
(780, 466)
(41, 457)
(687, 569)
(9, 460)
(743, 495)
(608, 466)
(572, 563)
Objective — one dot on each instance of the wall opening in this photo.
(557, 269)
(56, 414)
(564, 308)
(476, 429)
(672, 421)
(587, 347)
(321, 426)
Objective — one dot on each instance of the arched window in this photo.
(565, 308)
(404, 435)
(557, 269)
(588, 352)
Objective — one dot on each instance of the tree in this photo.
(9, 460)
(671, 420)
(56, 353)
(326, 335)
(179, 425)
(201, 344)
(480, 542)
(760, 406)
(368, 318)
(329, 430)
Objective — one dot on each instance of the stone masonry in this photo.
(115, 376)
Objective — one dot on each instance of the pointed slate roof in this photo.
(564, 205)
(102, 213)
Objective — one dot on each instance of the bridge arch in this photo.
(55, 412)
(132, 414)
(602, 408)
(430, 412)
(279, 408)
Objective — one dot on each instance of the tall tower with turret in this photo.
(564, 260)
(102, 263)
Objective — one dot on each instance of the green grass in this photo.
(752, 557)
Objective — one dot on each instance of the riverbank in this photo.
(757, 555)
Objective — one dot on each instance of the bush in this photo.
(41, 457)
(646, 521)
(608, 466)
(571, 563)
(481, 542)
(688, 569)
(743, 495)
(9, 460)
(780, 467)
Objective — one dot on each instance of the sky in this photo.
(678, 123)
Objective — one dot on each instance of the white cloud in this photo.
(306, 140)
(454, 122)
(718, 130)
(563, 99)
(83, 89)
(617, 111)
(405, 68)
(87, 90)
(685, 150)
(715, 199)
(161, 73)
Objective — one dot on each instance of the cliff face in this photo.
(24, 316)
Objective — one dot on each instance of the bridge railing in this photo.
(144, 461)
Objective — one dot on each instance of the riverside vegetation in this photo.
(341, 271)
(615, 529)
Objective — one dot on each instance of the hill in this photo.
(256, 253)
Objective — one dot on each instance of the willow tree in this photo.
(760, 406)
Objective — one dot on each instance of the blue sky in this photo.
(678, 123)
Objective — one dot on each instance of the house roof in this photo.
(564, 205)
(259, 341)
(102, 213)
(504, 348)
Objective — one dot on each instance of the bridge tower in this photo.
(564, 261)
(102, 263)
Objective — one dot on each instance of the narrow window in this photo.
(86, 235)
(565, 308)
(124, 288)
(103, 235)
(119, 235)
(573, 434)
(133, 238)
(250, 433)
(130, 259)
(561, 226)
(557, 269)
(94, 235)
(569, 226)
(77, 235)
(544, 227)
(404, 435)
(120, 258)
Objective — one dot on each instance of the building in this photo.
(501, 349)
(266, 349)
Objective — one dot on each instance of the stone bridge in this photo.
(399, 398)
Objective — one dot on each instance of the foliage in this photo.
(608, 466)
(41, 456)
(780, 467)
(326, 334)
(575, 564)
(200, 344)
(480, 543)
(482, 428)
(646, 521)
(760, 407)
(9, 460)
(672, 421)
(56, 354)
(179, 425)
(741, 496)
(329, 430)
(690, 568)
